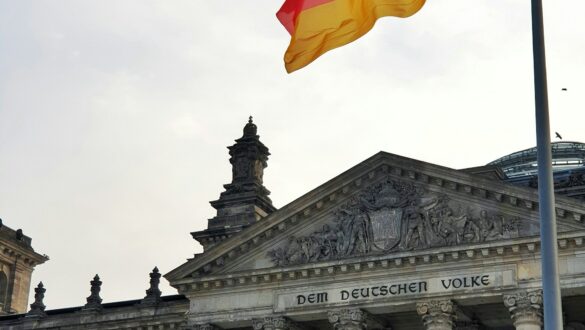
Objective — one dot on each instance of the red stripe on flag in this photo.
(287, 15)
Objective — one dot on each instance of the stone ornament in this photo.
(437, 314)
(525, 307)
(348, 319)
(395, 216)
(274, 323)
(94, 301)
(38, 307)
(153, 294)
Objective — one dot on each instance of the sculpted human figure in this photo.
(489, 228)
(359, 242)
(413, 223)
(295, 253)
(327, 240)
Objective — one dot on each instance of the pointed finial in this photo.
(153, 293)
(38, 307)
(94, 301)
(250, 129)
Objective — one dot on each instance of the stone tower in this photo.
(245, 200)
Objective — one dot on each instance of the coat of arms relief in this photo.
(395, 216)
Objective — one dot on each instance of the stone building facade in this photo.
(392, 243)
(17, 262)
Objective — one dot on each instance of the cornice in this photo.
(570, 213)
(26, 255)
(519, 247)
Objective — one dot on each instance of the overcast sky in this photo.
(115, 115)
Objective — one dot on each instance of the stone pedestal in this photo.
(274, 323)
(348, 319)
(437, 314)
(525, 309)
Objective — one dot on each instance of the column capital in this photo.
(348, 319)
(274, 323)
(525, 307)
(437, 314)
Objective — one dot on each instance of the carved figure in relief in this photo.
(415, 229)
(490, 228)
(394, 216)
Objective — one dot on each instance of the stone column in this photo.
(349, 319)
(525, 309)
(437, 314)
(274, 323)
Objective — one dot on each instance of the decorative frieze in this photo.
(392, 216)
(437, 314)
(525, 308)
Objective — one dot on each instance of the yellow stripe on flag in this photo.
(336, 23)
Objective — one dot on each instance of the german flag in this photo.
(317, 26)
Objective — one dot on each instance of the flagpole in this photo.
(548, 229)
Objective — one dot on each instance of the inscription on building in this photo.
(389, 289)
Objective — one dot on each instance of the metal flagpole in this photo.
(548, 229)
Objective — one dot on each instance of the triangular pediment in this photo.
(385, 205)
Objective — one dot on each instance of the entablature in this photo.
(403, 263)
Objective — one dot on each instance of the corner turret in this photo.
(245, 200)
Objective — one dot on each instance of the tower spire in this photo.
(245, 200)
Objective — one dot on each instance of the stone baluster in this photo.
(349, 319)
(525, 309)
(274, 323)
(437, 314)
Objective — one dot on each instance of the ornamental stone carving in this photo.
(437, 314)
(37, 309)
(395, 216)
(274, 323)
(349, 319)
(525, 309)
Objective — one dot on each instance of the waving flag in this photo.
(317, 26)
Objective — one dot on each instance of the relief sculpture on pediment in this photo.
(395, 216)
